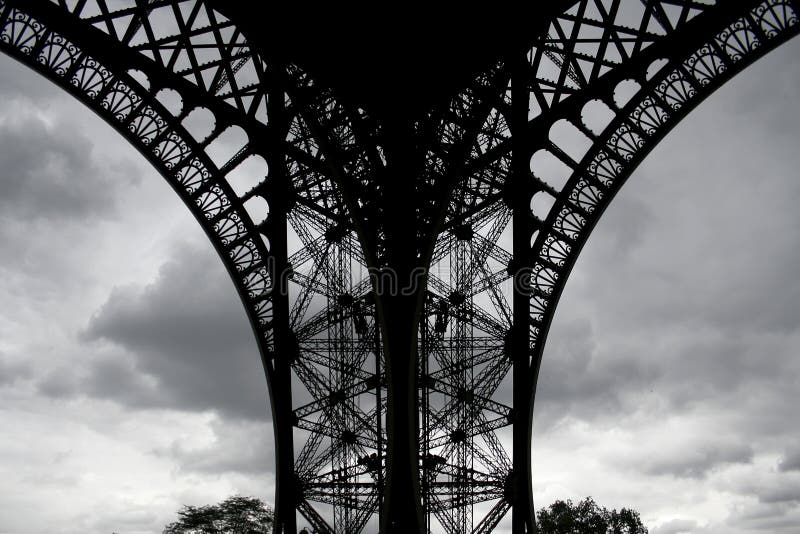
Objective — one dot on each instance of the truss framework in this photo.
(401, 340)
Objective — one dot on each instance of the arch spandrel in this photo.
(495, 232)
(662, 99)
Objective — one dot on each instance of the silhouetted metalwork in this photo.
(400, 272)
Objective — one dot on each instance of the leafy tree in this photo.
(234, 515)
(587, 517)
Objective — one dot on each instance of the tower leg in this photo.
(522, 501)
(280, 384)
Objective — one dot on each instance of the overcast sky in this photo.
(130, 383)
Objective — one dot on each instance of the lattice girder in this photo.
(501, 188)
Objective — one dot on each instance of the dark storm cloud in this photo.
(186, 343)
(47, 171)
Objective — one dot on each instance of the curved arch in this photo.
(109, 80)
(663, 100)
(679, 85)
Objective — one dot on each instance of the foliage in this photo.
(249, 515)
(234, 515)
(587, 517)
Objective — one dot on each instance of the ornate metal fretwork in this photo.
(400, 275)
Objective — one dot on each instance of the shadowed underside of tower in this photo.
(399, 200)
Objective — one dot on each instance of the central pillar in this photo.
(399, 291)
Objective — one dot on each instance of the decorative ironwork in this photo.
(400, 277)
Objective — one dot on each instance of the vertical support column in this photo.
(399, 310)
(279, 191)
(520, 194)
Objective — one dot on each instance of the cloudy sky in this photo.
(129, 382)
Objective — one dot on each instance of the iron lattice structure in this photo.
(400, 273)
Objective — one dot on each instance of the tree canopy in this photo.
(249, 515)
(234, 515)
(587, 517)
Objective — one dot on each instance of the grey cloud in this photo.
(19, 83)
(11, 372)
(708, 369)
(59, 384)
(773, 489)
(115, 513)
(696, 460)
(47, 171)
(580, 380)
(133, 519)
(684, 456)
(784, 493)
(790, 461)
(140, 390)
(627, 222)
(676, 526)
(186, 340)
(783, 83)
(686, 273)
(252, 443)
(765, 517)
